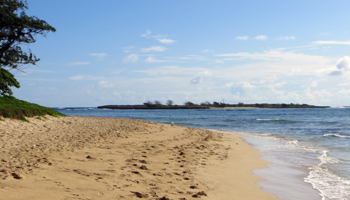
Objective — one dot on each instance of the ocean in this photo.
(309, 149)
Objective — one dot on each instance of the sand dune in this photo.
(113, 158)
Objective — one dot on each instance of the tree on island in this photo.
(16, 29)
(216, 104)
(189, 103)
(206, 103)
(169, 103)
(156, 102)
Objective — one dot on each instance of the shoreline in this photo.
(234, 108)
(278, 171)
(105, 158)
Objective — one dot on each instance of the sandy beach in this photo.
(115, 158)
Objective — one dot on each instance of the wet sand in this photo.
(114, 158)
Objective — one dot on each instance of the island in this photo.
(206, 105)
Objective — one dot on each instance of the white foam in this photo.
(268, 119)
(330, 185)
(293, 142)
(336, 135)
(288, 143)
(279, 171)
(325, 159)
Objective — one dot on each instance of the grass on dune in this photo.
(10, 107)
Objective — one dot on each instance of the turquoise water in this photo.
(315, 141)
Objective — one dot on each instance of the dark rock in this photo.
(140, 195)
(16, 176)
(143, 167)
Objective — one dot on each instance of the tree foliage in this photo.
(156, 102)
(215, 103)
(170, 103)
(16, 29)
(7, 80)
(206, 103)
(189, 103)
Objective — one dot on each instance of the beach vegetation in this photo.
(156, 102)
(10, 107)
(216, 104)
(148, 103)
(7, 80)
(189, 103)
(17, 29)
(170, 103)
(206, 103)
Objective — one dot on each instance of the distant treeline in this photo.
(150, 107)
(278, 105)
(205, 105)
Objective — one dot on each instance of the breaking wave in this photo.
(336, 135)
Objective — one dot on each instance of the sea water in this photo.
(309, 149)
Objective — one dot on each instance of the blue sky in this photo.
(129, 52)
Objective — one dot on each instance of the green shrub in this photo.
(10, 107)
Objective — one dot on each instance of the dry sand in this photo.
(113, 158)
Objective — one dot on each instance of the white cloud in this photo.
(103, 84)
(98, 55)
(205, 51)
(128, 49)
(160, 38)
(275, 55)
(172, 71)
(240, 88)
(193, 57)
(78, 63)
(76, 78)
(343, 65)
(197, 80)
(200, 77)
(287, 38)
(132, 58)
(154, 49)
(152, 59)
(261, 37)
(85, 77)
(293, 71)
(332, 42)
(280, 84)
(313, 84)
(344, 84)
(275, 63)
(326, 34)
(242, 38)
(166, 41)
(336, 73)
(147, 34)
